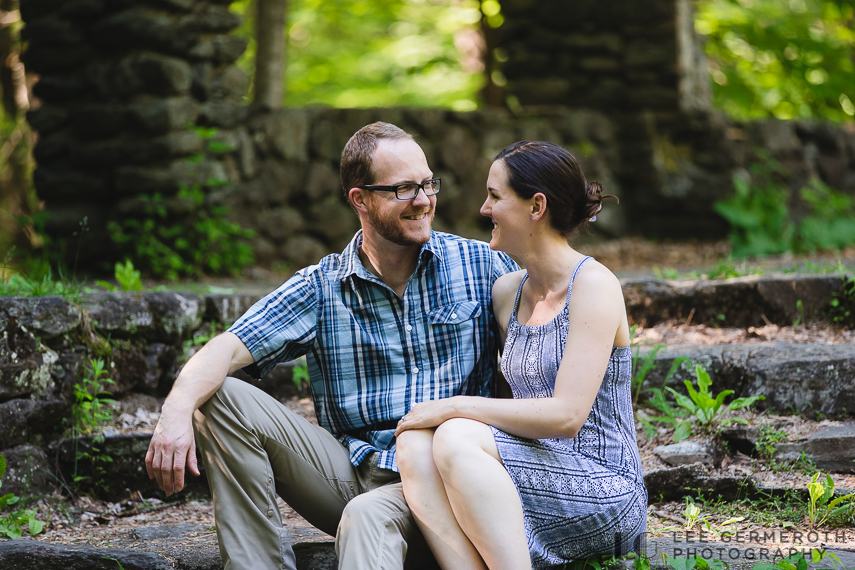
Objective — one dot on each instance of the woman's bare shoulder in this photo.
(596, 279)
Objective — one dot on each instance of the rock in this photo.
(807, 378)
(303, 251)
(165, 115)
(281, 223)
(47, 317)
(25, 363)
(230, 85)
(63, 183)
(119, 314)
(672, 483)
(321, 181)
(27, 471)
(47, 118)
(284, 133)
(159, 358)
(176, 315)
(279, 382)
(227, 309)
(738, 302)
(23, 420)
(832, 448)
(684, 453)
(38, 555)
(225, 114)
(154, 73)
(126, 471)
(98, 121)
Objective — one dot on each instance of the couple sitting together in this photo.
(421, 440)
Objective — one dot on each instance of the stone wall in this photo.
(126, 88)
(122, 85)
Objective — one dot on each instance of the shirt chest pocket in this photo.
(455, 313)
(454, 329)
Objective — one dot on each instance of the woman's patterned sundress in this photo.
(583, 496)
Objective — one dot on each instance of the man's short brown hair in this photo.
(357, 158)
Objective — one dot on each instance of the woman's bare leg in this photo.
(428, 502)
(483, 498)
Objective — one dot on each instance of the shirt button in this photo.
(453, 315)
(409, 327)
(415, 370)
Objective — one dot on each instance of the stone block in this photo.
(176, 315)
(284, 133)
(164, 115)
(153, 73)
(99, 121)
(220, 49)
(47, 317)
(137, 150)
(280, 223)
(226, 309)
(120, 315)
(322, 180)
(832, 448)
(47, 118)
(141, 27)
(25, 363)
(216, 19)
(684, 453)
(225, 114)
(334, 220)
(83, 10)
(126, 473)
(40, 555)
(246, 154)
(159, 358)
(230, 84)
(149, 179)
(303, 250)
(60, 88)
(32, 10)
(53, 30)
(672, 483)
(47, 59)
(458, 151)
(27, 471)
(743, 301)
(23, 420)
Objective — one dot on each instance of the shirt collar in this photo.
(352, 265)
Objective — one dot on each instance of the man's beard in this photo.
(392, 229)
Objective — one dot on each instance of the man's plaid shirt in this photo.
(372, 355)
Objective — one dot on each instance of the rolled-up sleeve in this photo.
(280, 327)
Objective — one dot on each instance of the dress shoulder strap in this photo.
(573, 278)
(513, 318)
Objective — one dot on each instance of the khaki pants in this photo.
(254, 448)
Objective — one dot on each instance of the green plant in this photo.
(824, 507)
(704, 409)
(666, 273)
(841, 309)
(830, 223)
(800, 318)
(300, 375)
(12, 524)
(768, 437)
(90, 408)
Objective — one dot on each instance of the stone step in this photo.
(739, 302)
(796, 378)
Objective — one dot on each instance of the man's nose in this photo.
(421, 199)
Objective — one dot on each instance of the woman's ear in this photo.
(538, 206)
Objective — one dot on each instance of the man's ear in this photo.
(357, 199)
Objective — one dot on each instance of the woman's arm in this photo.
(596, 314)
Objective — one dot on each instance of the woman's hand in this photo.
(429, 414)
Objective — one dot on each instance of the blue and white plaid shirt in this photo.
(372, 355)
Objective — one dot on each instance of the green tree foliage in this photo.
(786, 59)
(354, 53)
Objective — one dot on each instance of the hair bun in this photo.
(594, 194)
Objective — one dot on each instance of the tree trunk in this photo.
(270, 52)
(8, 57)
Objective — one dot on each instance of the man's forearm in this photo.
(205, 372)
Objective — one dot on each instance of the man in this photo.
(401, 316)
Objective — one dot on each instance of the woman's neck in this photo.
(549, 263)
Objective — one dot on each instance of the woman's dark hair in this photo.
(535, 166)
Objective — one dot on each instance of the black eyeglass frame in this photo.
(396, 187)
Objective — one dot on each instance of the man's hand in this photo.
(172, 447)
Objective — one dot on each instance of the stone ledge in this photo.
(743, 301)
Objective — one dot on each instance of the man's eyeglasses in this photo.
(409, 190)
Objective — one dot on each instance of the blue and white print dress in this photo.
(583, 496)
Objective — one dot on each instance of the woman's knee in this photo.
(414, 451)
(458, 439)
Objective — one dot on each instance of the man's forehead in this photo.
(400, 157)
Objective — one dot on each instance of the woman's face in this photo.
(511, 215)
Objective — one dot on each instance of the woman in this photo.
(554, 474)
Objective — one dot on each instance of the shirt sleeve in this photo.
(280, 327)
(503, 263)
